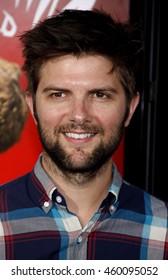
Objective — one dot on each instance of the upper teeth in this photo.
(79, 136)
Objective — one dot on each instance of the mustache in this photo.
(85, 127)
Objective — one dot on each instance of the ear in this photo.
(133, 105)
(30, 103)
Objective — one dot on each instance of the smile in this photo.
(79, 136)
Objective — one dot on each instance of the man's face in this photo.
(80, 110)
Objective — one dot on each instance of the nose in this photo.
(80, 111)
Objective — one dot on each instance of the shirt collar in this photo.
(49, 186)
(116, 183)
(43, 178)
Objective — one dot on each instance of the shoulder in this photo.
(155, 206)
(141, 201)
(15, 194)
(16, 183)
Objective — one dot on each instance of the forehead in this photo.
(72, 61)
(69, 67)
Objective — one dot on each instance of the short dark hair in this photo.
(82, 32)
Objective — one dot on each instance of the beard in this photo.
(91, 163)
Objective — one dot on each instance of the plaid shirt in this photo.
(130, 224)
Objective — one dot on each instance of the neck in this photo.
(83, 192)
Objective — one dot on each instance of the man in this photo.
(81, 68)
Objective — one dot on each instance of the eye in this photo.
(100, 94)
(57, 94)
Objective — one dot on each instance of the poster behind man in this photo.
(15, 17)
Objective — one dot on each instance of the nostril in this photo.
(80, 112)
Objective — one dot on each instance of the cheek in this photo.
(49, 114)
(110, 118)
(48, 118)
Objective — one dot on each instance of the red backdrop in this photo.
(15, 17)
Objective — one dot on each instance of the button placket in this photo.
(79, 239)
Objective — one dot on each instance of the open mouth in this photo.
(79, 135)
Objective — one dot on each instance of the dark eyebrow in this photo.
(53, 88)
(106, 89)
(94, 90)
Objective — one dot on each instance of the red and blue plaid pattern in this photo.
(129, 225)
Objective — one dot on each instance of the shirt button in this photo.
(46, 204)
(79, 239)
(59, 199)
(112, 209)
